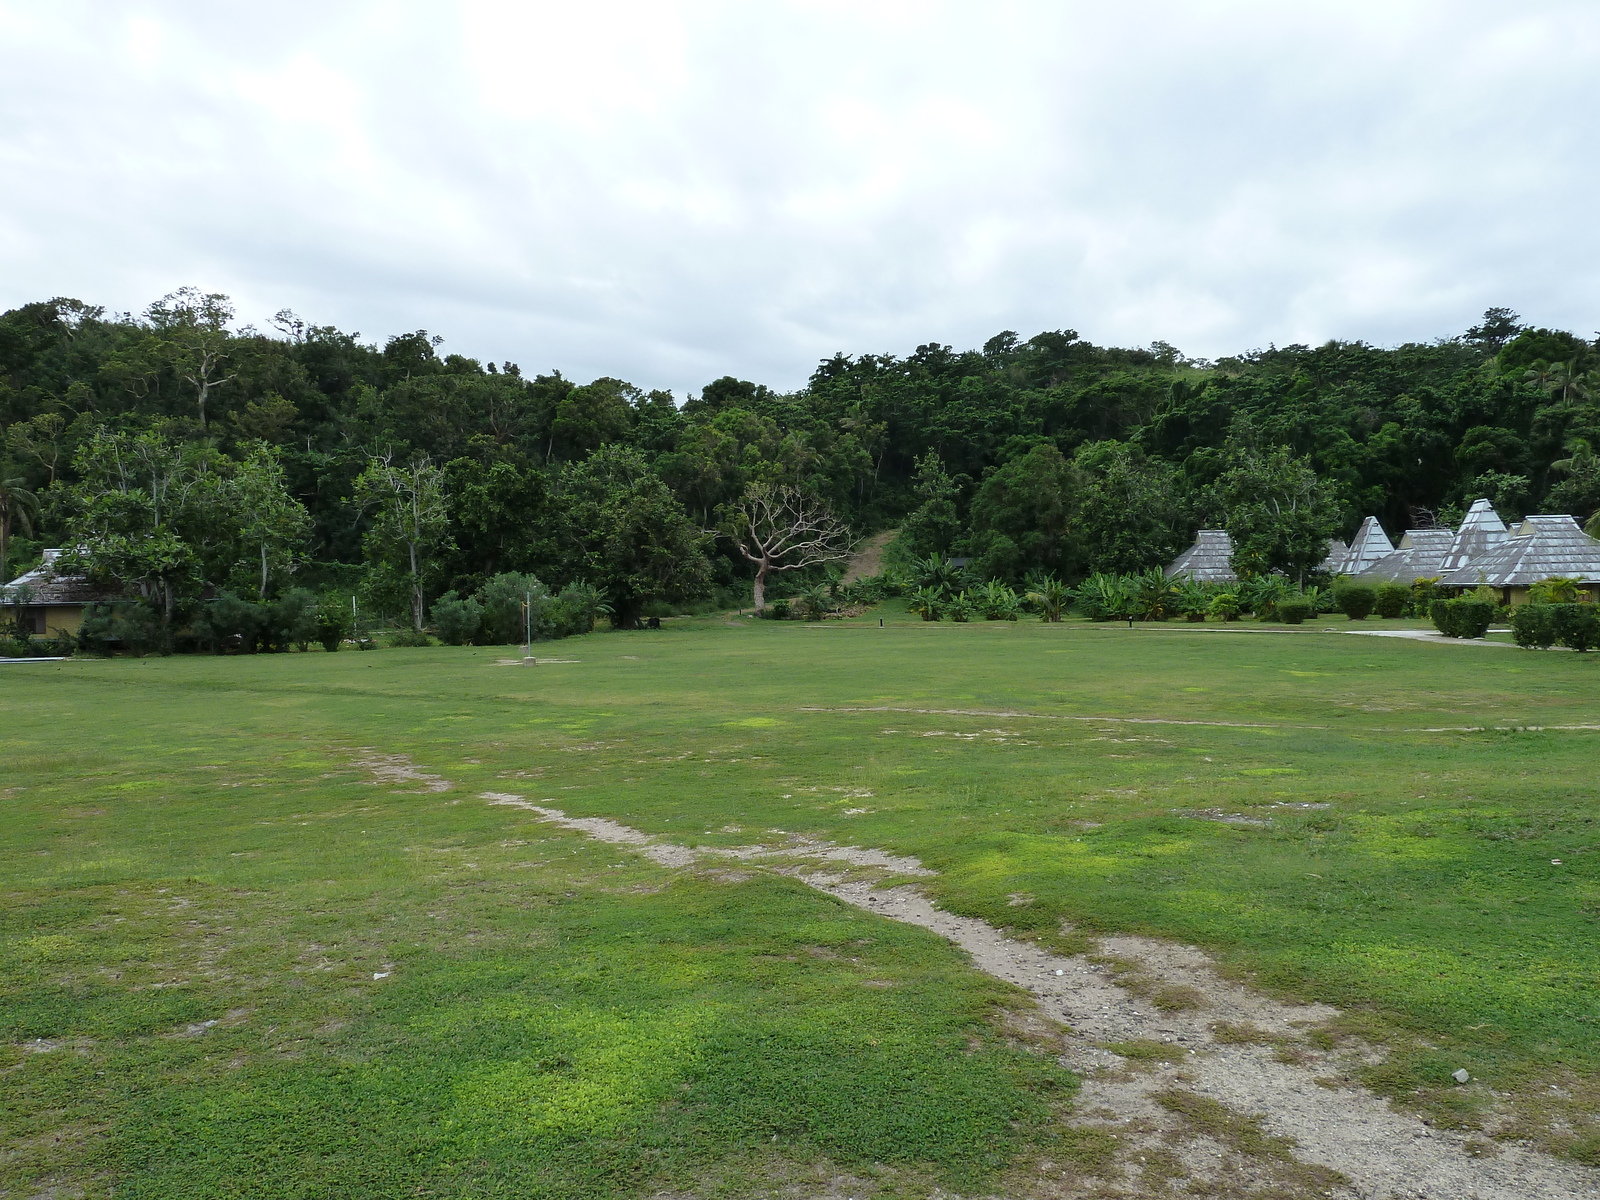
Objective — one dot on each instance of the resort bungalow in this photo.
(1540, 547)
(1366, 549)
(1420, 555)
(1481, 531)
(46, 602)
(1207, 560)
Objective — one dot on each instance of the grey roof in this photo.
(1542, 547)
(1481, 531)
(1336, 552)
(1207, 560)
(1368, 546)
(43, 585)
(1420, 555)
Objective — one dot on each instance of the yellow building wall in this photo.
(58, 617)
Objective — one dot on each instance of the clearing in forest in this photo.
(776, 907)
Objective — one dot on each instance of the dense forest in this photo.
(188, 458)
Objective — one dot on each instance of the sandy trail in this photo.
(1380, 1154)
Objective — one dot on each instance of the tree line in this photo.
(188, 457)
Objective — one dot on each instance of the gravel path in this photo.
(1233, 1108)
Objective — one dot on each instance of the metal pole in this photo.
(527, 624)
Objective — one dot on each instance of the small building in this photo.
(1420, 555)
(1370, 545)
(1207, 560)
(50, 602)
(1548, 546)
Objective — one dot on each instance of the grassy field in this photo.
(248, 950)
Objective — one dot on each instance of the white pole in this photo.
(527, 624)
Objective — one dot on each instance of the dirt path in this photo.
(868, 558)
(1208, 1087)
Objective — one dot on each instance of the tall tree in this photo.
(934, 526)
(410, 519)
(272, 524)
(1023, 517)
(1277, 511)
(195, 324)
(779, 528)
(627, 534)
(142, 511)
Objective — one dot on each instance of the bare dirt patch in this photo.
(398, 768)
(868, 558)
(1202, 1085)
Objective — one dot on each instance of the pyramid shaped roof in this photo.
(1336, 552)
(1542, 547)
(1368, 546)
(1207, 560)
(1420, 555)
(46, 585)
(1481, 530)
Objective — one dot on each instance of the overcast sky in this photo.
(670, 192)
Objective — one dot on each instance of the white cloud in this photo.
(671, 192)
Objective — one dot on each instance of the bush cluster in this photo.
(1467, 617)
(1540, 626)
(494, 614)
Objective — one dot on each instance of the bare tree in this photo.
(779, 528)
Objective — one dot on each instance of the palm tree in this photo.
(17, 506)
(1580, 454)
(1570, 381)
(1541, 374)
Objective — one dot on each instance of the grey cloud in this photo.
(671, 193)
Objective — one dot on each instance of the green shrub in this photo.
(816, 602)
(1296, 612)
(999, 602)
(1463, 618)
(1355, 600)
(502, 622)
(455, 619)
(1576, 626)
(1263, 593)
(1392, 600)
(1533, 627)
(334, 620)
(409, 638)
(1558, 589)
(926, 603)
(290, 620)
(574, 610)
(1423, 593)
(1049, 597)
(1225, 606)
(230, 624)
(778, 610)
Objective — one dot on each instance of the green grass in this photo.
(191, 840)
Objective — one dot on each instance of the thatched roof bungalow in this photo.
(1545, 546)
(1481, 531)
(1367, 548)
(1420, 555)
(1207, 560)
(50, 601)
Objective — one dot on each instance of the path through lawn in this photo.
(413, 988)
